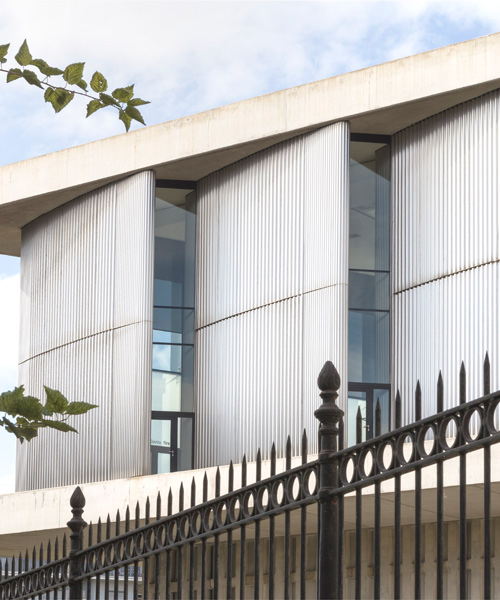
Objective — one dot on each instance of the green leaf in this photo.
(73, 73)
(4, 48)
(44, 68)
(23, 57)
(108, 100)
(30, 408)
(59, 425)
(138, 102)
(9, 401)
(79, 408)
(32, 78)
(125, 119)
(134, 113)
(93, 106)
(124, 94)
(21, 433)
(58, 97)
(82, 84)
(14, 74)
(56, 402)
(98, 82)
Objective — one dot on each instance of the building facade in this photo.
(193, 288)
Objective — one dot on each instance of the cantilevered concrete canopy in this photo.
(377, 100)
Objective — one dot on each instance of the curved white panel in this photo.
(271, 293)
(440, 324)
(86, 301)
(446, 251)
(445, 193)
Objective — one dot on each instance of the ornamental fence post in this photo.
(76, 524)
(329, 415)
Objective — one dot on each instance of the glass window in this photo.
(173, 316)
(369, 285)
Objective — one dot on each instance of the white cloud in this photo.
(191, 56)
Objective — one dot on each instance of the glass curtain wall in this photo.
(369, 287)
(172, 426)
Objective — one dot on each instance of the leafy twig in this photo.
(59, 96)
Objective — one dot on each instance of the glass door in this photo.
(172, 439)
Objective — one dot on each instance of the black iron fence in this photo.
(283, 535)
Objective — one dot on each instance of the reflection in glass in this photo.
(369, 285)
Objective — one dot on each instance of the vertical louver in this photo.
(86, 279)
(271, 292)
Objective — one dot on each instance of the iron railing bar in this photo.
(229, 555)
(256, 564)
(463, 526)
(60, 561)
(243, 534)
(395, 433)
(423, 462)
(418, 531)
(254, 487)
(462, 492)
(439, 531)
(487, 523)
(288, 464)
(272, 532)
(376, 537)
(40, 592)
(397, 536)
(199, 537)
(359, 516)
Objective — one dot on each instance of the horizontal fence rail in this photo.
(284, 534)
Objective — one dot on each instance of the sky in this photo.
(186, 57)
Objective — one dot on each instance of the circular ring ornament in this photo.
(196, 522)
(234, 509)
(262, 503)
(381, 451)
(348, 469)
(248, 505)
(119, 550)
(310, 477)
(129, 547)
(161, 536)
(366, 454)
(101, 557)
(403, 440)
(293, 488)
(443, 440)
(277, 494)
(421, 439)
(467, 422)
(184, 527)
(172, 531)
(490, 417)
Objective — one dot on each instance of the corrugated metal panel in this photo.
(445, 251)
(271, 293)
(86, 276)
(445, 193)
(438, 325)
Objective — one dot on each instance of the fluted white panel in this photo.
(446, 251)
(272, 226)
(86, 280)
(440, 324)
(445, 193)
(271, 293)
